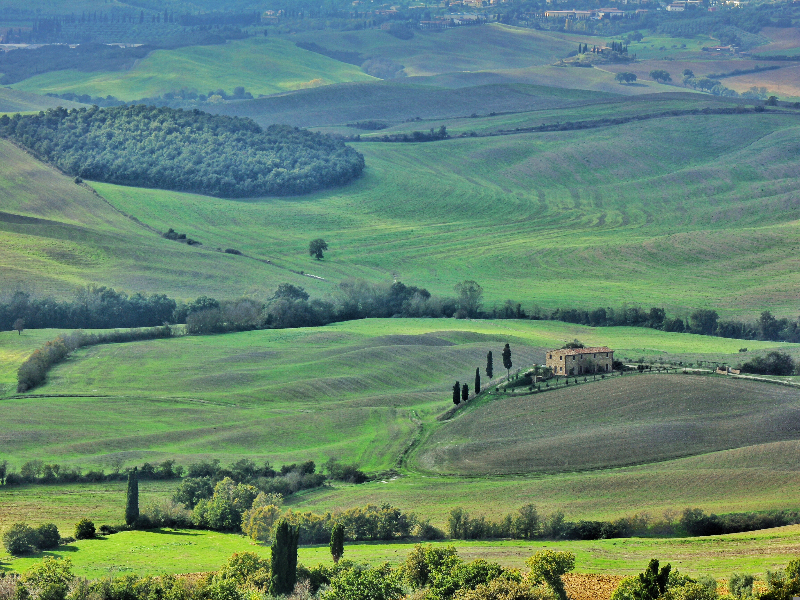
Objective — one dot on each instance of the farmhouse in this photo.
(579, 361)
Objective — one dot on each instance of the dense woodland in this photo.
(184, 150)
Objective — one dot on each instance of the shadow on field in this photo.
(170, 532)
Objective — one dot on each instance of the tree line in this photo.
(528, 524)
(184, 150)
(100, 307)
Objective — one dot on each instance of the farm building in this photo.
(579, 361)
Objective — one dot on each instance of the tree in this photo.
(132, 498)
(507, 360)
(20, 539)
(470, 295)
(464, 392)
(489, 366)
(477, 380)
(283, 561)
(292, 292)
(703, 321)
(315, 248)
(625, 77)
(548, 566)
(337, 542)
(49, 537)
(19, 325)
(457, 393)
(660, 75)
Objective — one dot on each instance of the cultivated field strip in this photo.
(629, 420)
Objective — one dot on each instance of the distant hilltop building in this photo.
(579, 361)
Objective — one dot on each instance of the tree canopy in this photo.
(184, 150)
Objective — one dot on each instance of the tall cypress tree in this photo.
(465, 392)
(489, 366)
(507, 360)
(284, 559)
(132, 499)
(457, 393)
(337, 542)
(477, 380)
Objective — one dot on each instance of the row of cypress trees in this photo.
(461, 391)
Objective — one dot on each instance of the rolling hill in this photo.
(368, 391)
(584, 217)
(261, 65)
(640, 419)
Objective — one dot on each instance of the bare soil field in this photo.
(638, 419)
(784, 83)
(783, 38)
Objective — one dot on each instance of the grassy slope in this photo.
(56, 236)
(511, 210)
(261, 65)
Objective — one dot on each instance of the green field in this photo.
(366, 391)
(261, 65)
(189, 551)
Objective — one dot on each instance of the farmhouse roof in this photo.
(571, 351)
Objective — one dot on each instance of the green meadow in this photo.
(261, 65)
(189, 551)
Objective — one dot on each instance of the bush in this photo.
(85, 530)
(49, 537)
(21, 539)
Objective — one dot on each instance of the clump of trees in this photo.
(20, 538)
(625, 77)
(774, 363)
(182, 150)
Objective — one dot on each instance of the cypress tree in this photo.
(465, 392)
(477, 380)
(489, 367)
(284, 559)
(132, 500)
(507, 360)
(337, 542)
(457, 393)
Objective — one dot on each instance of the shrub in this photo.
(49, 537)
(20, 539)
(84, 530)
